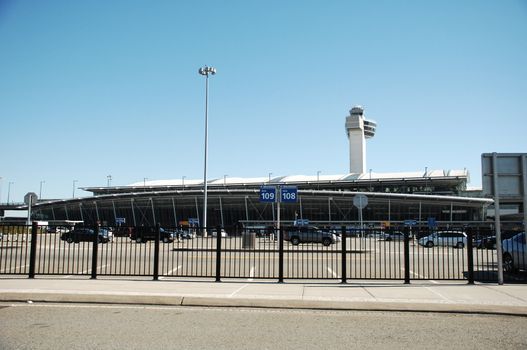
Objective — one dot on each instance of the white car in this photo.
(457, 239)
(514, 257)
(223, 233)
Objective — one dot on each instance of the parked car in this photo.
(84, 235)
(310, 236)
(394, 236)
(122, 231)
(375, 234)
(183, 234)
(107, 232)
(514, 256)
(485, 242)
(457, 239)
(222, 233)
(142, 234)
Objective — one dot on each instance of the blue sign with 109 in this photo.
(267, 194)
(289, 194)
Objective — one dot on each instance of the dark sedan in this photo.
(84, 235)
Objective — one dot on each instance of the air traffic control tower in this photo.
(358, 129)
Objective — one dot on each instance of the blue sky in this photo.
(96, 88)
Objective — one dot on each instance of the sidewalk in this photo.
(426, 296)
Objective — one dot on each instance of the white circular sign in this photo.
(360, 201)
(30, 196)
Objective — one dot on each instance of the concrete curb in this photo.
(173, 300)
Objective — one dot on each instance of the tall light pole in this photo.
(9, 190)
(144, 181)
(183, 181)
(206, 71)
(74, 182)
(109, 180)
(40, 191)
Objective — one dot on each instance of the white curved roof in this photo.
(305, 178)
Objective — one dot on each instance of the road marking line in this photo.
(237, 290)
(170, 272)
(251, 274)
(332, 272)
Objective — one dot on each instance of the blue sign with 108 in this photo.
(288, 194)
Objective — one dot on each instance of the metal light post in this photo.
(40, 191)
(144, 181)
(109, 180)
(270, 176)
(183, 181)
(206, 71)
(74, 182)
(9, 191)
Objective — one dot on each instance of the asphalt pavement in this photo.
(424, 296)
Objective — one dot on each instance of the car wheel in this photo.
(460, 245)
(508, 263)
(69, 240)
(139, 240)
(295, 241)
(165, 240)
(326, 241)
(429, 244)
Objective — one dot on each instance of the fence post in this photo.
(344, 253)
(33, 250)
(218, 254)
(406, 258)
(280, 256)
(470, 257)
(156, 252)
(95, 253)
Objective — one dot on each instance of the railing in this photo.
(397, 254)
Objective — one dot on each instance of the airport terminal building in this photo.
(322, 199)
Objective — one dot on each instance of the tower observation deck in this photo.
(358, 130)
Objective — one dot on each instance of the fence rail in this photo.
(286, 254)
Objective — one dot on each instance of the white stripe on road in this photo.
(332, 272)
(171, 272)
(86, 271)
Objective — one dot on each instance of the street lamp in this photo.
(9, 190)
(109, 180)
(206, 71)
(74, 182)
(144, 181)
(40, 192)
(270, 176)
(183, 181)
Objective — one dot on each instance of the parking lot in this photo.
(237, 257)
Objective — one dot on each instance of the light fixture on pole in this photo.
(74, 182)
(40, 191)
(9, 190)
(205, 71)
(109, 180)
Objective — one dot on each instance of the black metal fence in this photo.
(345, 254)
